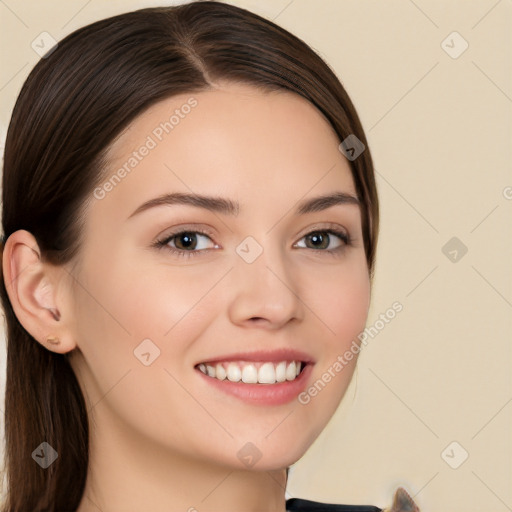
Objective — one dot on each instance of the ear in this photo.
(38, 292)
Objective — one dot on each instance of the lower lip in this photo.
(263, 394)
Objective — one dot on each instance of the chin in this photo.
(280, 455)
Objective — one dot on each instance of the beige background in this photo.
(440, 131)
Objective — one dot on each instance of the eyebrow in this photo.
(230, 207)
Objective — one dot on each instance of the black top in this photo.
(300, 505)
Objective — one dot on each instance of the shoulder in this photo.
(402, 502)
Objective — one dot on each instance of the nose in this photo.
(265, 292)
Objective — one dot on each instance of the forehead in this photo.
(235, 140)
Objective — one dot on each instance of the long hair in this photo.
(72, 106)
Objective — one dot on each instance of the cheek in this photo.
(341, 303)
(154, 302)
(340, 299)
(170, 305)
(118, 312)
(349, 309)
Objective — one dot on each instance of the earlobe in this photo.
(32, 288)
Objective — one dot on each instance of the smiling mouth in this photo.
(251, 372)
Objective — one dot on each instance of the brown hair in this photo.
(74, 103)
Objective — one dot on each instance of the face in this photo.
(248, 279)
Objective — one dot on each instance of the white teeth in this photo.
(291, 371)
(267, 373)
(281, 371)
(250, 374)
(220, 373)
(234, 373)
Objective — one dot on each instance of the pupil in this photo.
(317, 239)
(188, 240)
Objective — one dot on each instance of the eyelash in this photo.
(163, 243)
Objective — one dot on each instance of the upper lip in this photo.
(272, 356)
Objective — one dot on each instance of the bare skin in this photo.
(162, 437)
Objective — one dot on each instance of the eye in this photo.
(186, 243)
(324, 239)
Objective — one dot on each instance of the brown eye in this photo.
(186, 243)
(185, 240)
(323, 239)
(319, 240)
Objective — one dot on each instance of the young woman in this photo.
(189, 228)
